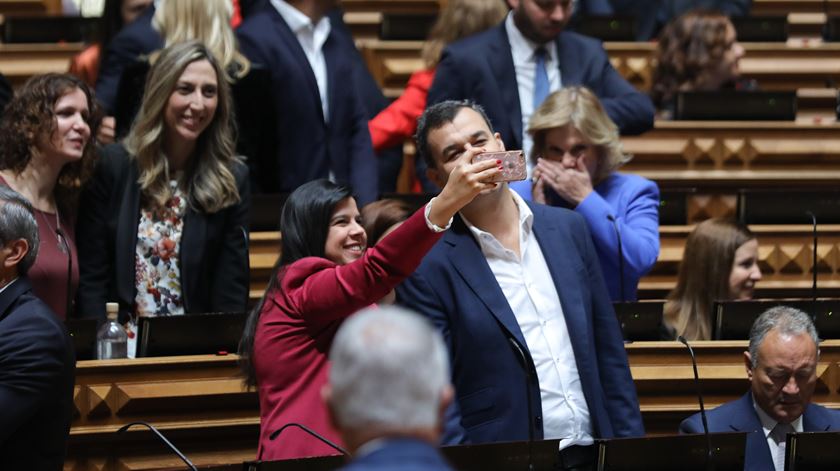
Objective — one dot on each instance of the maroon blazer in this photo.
(297, 325)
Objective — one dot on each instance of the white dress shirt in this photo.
(525, 63)
(768, 424)
(311, 38)
(529, 288)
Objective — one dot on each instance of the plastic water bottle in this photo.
(111, 340)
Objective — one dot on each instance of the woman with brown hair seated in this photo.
(720, 262)
(697, 51)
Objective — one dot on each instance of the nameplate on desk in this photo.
(667, 453)
(190, 334)
(733, 319)
(732, 105)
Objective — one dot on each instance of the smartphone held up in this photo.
(512, 163)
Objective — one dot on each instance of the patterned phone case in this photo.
(513, 164)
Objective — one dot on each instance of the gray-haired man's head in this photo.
(782, 362)
(389, 373)
(17, 223)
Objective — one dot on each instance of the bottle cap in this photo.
(112, 309)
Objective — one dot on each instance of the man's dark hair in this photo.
(435, 117)
(17, 221)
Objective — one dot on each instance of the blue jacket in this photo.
(127, 46)
(308, 145)
(480, 68)
(405, 454)
(634, 202)
(456, 289)
(740, 416)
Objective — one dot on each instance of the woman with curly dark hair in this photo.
(697, 51)
(48, 153)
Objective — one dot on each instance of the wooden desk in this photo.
(197, 401)
(735, 145)
(784, 256)
(776, 66)
(18, 62)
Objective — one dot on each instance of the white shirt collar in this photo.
(526, 221)
(296, 20)
(8, 284)
(768, 423)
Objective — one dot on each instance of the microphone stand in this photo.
(159, 435)
(529, 378)
(247, 268)
(814, 268)
(69, 296)
(709, 462)
(308, 430)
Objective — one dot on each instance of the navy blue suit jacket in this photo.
(308, 146)
(740, 416)
(37, 367)
(405, 454)
(128, 45)
(456, 289)
(480, 68)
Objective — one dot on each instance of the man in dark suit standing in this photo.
(510, 69)
(388, 390)
(321, 127)
(782, 368)
(135, 39)
(36, 357)
(517, 291)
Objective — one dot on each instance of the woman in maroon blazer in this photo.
(325, 274)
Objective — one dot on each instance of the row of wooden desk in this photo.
(200, 404)
(785, 258)
(796, 65)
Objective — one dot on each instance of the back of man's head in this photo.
(389, 373)
(17, 222)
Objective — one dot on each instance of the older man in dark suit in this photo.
(321, 128)
(517, 291)
(782, 368)
(36, 356)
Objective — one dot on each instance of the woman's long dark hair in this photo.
(304, 224)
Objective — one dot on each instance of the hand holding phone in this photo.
(513, 165)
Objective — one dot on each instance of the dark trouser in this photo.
(578, 458)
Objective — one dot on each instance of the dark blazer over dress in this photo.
(213, 257)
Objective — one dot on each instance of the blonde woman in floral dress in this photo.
(163, 222)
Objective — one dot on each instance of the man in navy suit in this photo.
(517, 292)
(135, 39)
(782, 368)
(36, 357)
(321, 127)
(388, 389)
(511, 68)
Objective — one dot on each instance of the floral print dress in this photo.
(158, 273)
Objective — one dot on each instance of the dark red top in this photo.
(297, 326)
(49, 273)
(398, 121)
